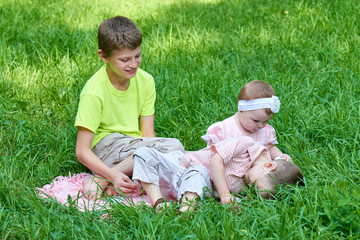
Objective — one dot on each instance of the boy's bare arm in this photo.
(147, 126)
(218, 173)
(90, 160)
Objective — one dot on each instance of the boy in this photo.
(116, 110)
(228, 166)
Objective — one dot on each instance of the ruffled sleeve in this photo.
(214, 134)
(271, 135)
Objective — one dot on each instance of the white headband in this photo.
(273, 103)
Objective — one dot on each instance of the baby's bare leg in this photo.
(110, 190)
(153, 191)
(188, 202)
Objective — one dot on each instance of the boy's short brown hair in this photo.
(286, 173)
(118, 33)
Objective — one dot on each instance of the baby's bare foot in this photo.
(110, 190)
(93, 187)
(187, 207)
(188, 202)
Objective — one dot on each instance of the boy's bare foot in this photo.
(93, 187)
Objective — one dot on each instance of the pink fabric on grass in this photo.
(67, 191)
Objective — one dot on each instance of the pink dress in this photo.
(238, 155)
(227, 129)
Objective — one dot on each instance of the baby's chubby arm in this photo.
(90, 160)
(275, 152)
(218, 174)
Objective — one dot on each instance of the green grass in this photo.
(200, 53)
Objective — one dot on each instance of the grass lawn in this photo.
(200, 52)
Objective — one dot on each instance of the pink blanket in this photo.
(67, 191)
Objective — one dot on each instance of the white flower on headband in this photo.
(258, 103)
(274, 104)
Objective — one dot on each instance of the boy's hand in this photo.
(124, 183)
(227, 199)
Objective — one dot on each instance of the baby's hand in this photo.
(285, 157)
(227, 199)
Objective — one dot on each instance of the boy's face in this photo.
(122, 64)
(253, 120)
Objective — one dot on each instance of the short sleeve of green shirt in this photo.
(103, 109)
(89, 112)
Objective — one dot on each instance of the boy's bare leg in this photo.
(94, 186)
(188, 202)
(126, 166)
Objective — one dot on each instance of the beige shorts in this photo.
(115, 147)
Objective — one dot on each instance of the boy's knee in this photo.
(178, 145)
(173, 145)
(164, 145)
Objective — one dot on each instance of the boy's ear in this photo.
(270, 166)
(102, 55)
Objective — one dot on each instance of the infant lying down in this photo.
(221, 169)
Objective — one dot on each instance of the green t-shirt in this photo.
(103, 109)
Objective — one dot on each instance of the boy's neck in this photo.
(121, 84)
